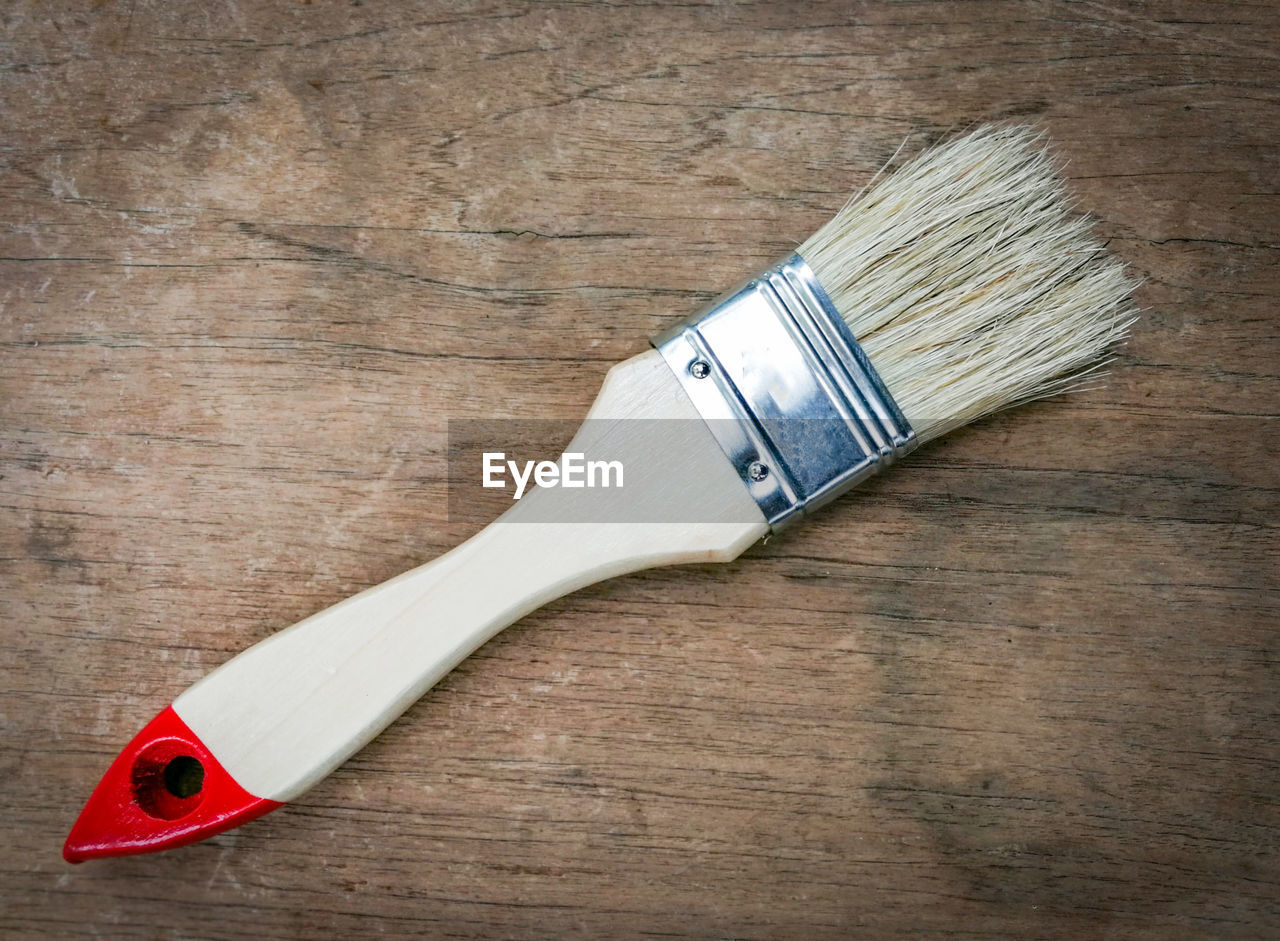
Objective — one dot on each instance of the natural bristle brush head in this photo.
(969, 280)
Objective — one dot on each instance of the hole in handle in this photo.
(166, 782)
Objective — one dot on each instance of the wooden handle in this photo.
(286, 712)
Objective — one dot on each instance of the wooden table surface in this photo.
(257, 256)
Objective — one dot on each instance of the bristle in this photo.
(969, 281)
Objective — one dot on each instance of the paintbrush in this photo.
(957, 285)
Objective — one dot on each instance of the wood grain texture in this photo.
(254, 258)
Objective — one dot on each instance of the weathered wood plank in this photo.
(255, 257)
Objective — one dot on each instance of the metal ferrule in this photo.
(787, 391)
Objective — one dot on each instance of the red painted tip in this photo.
(164, 790)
